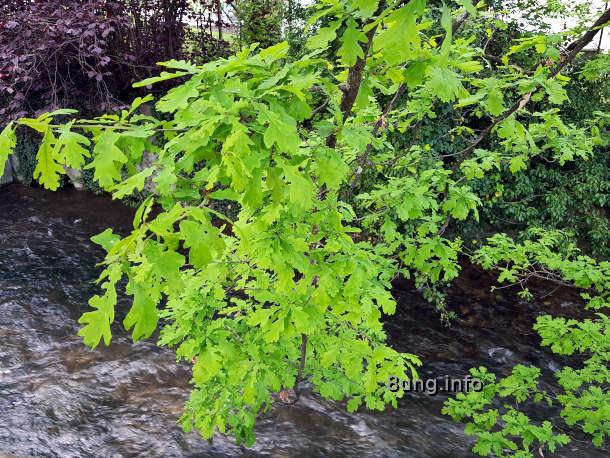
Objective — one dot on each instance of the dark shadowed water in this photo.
(57, 398)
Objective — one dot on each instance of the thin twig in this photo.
(378, 124)
(235, 334)
(303, 349)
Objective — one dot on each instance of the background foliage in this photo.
(87, 54)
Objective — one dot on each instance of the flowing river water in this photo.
(59, 399)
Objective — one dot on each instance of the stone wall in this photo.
(11, 173)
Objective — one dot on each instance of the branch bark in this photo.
(401, 89)
(457, 24)
(354, 77)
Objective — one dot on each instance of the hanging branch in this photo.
(378, 124)
(572, 50)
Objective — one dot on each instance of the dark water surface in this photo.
(57, 398)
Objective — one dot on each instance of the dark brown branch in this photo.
(444, 226)
(493, 58)
(457, 24)
(354, 77)
(576, 46)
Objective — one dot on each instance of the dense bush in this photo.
(88, 53)
(28, 143)
(573, 196)
(54, 52)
